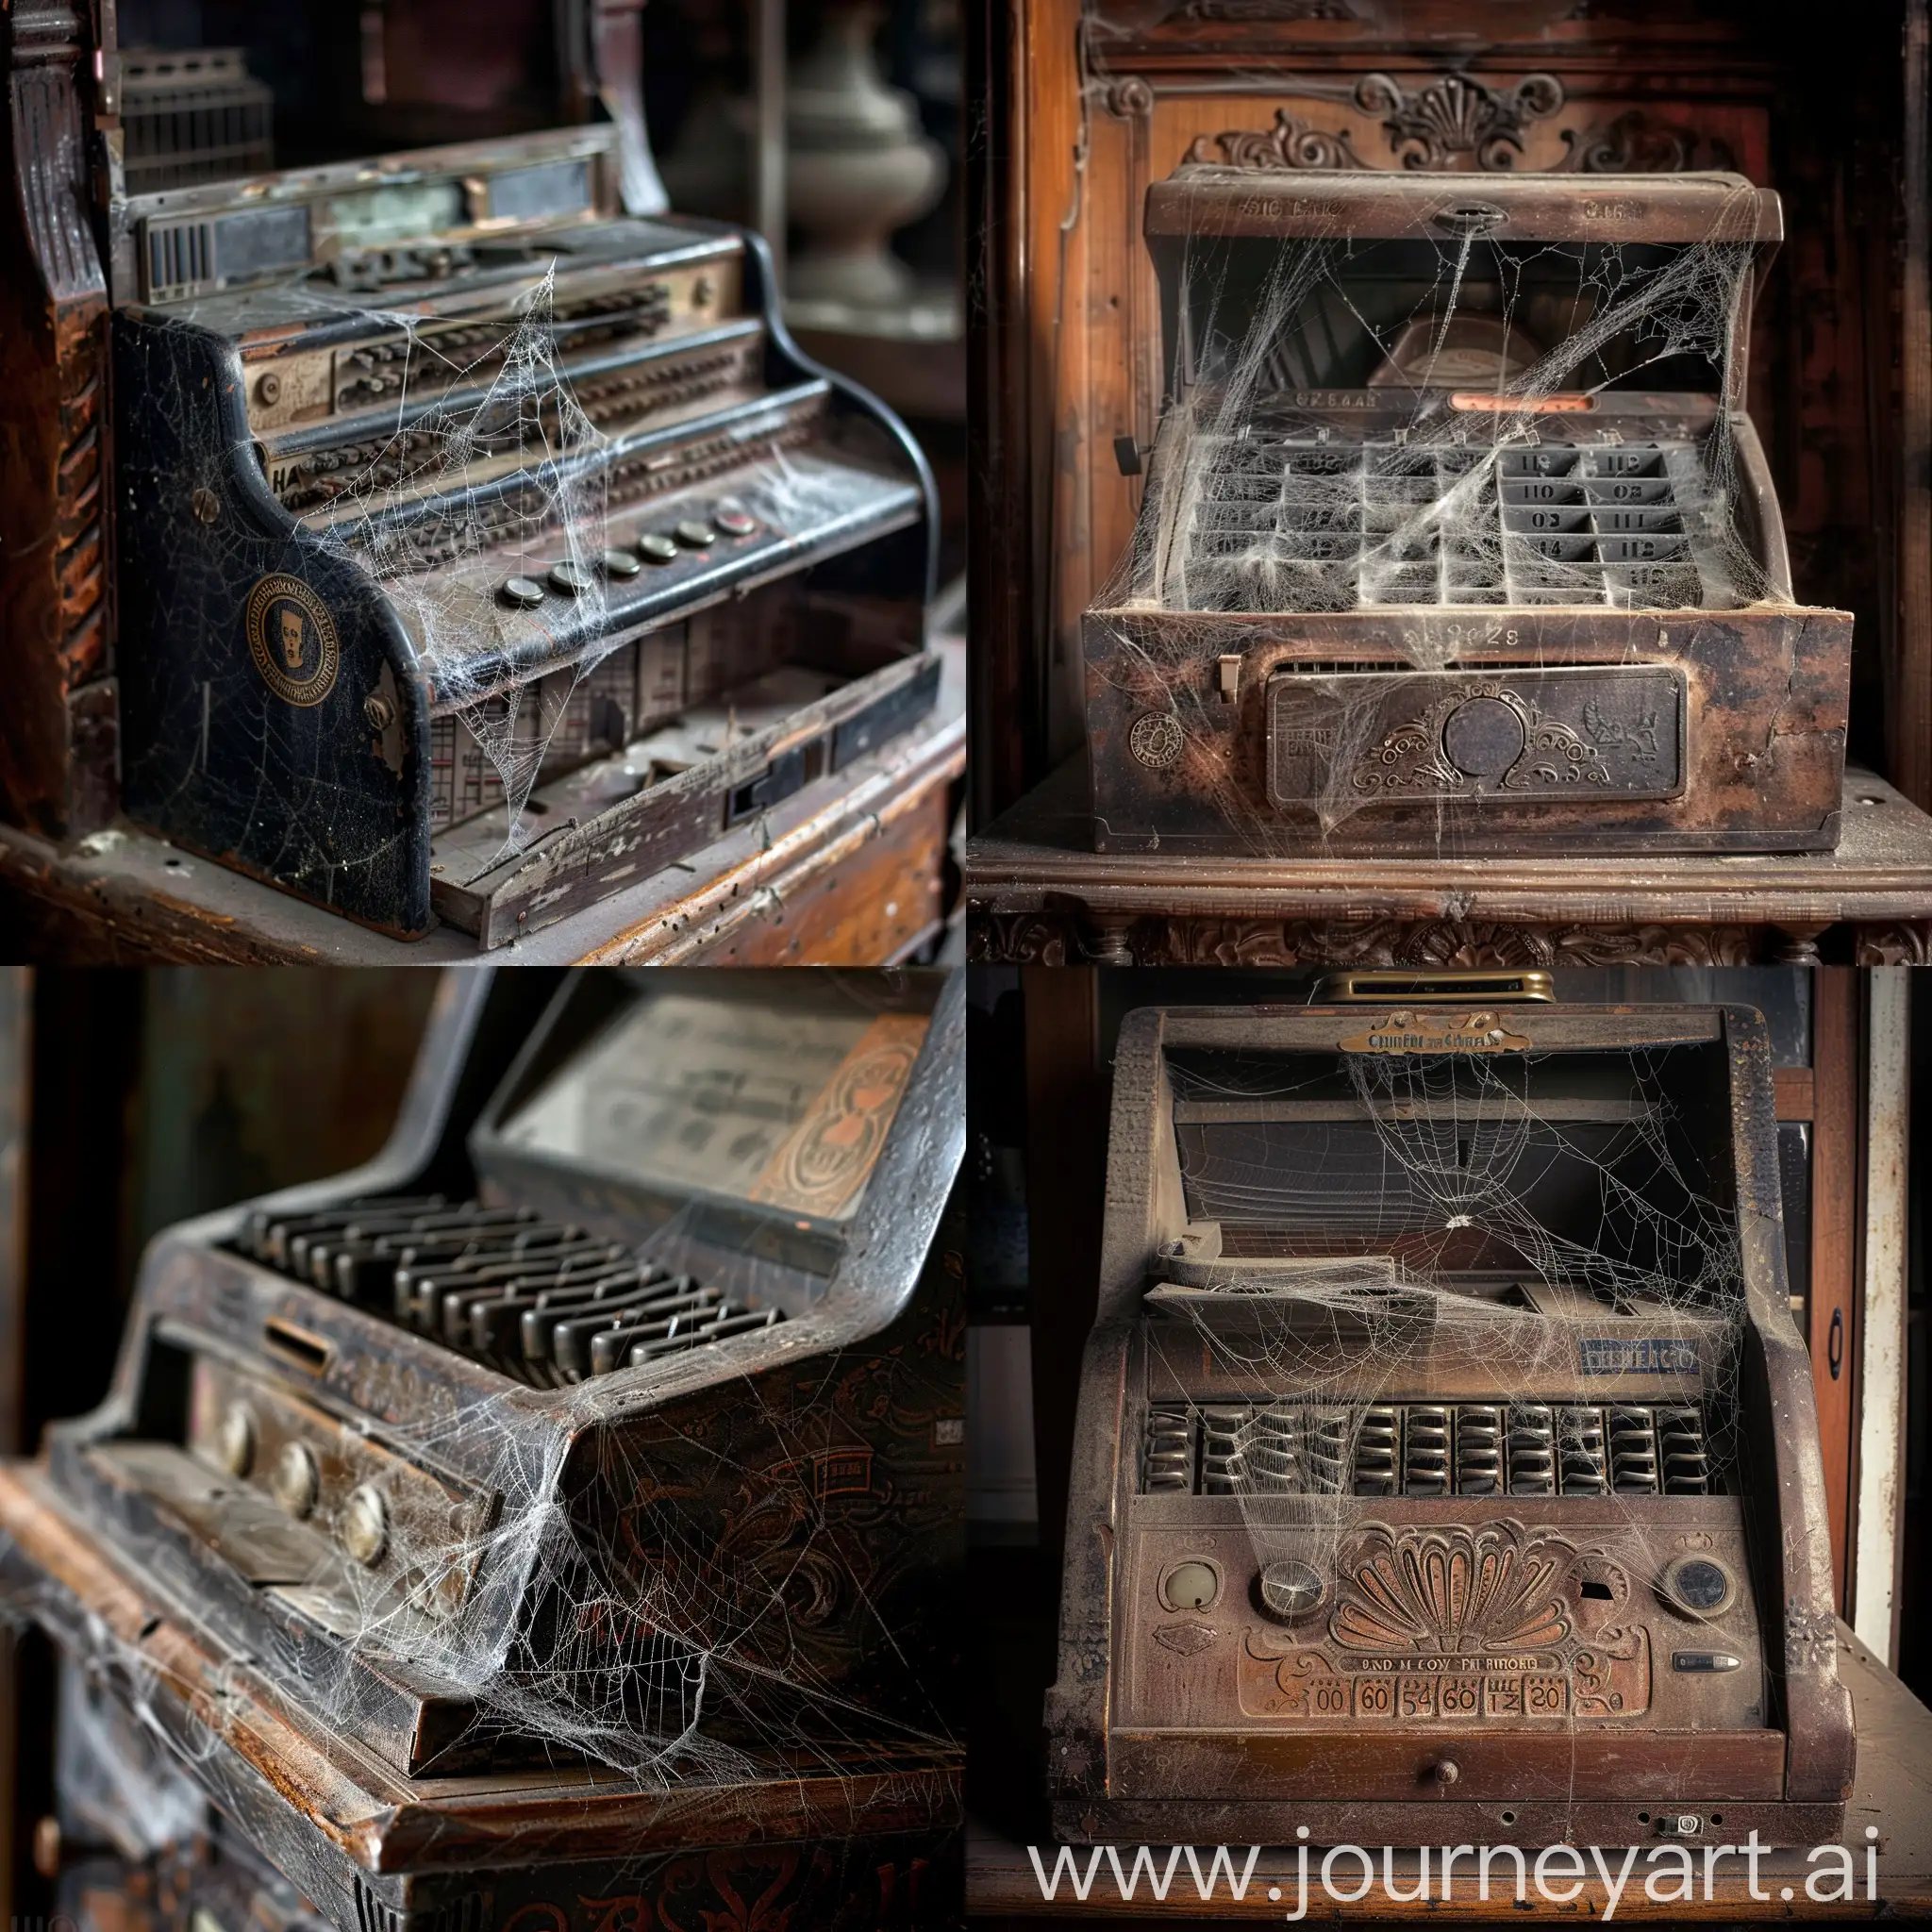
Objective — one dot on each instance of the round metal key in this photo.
(620, 563)
(734, 523)
(654, 546)
(525, 593)
(572, 579)
(694, 536)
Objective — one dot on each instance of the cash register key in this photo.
(296, 1480)
(571, 578)
(525, 593)
(364, 1525)
(654, 546)
(620, 563)
(235, 1442)
(695, 536)
(734, 523)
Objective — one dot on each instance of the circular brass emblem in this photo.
(292, 640)
(1155, 739)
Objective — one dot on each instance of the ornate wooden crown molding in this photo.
(1427, 129)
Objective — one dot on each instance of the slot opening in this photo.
(296, 1346)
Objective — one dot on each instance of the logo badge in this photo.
(292, 639)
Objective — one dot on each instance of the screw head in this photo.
(206, 505)
(365, 1525)
(296, 1481)
(1446, 1771)
(378, 711)
(234, 1439)
(270, 388)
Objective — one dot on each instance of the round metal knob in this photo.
(654, 546)
(1290, 1589)
(1482, 737)
(270, 388)
(1190, 1586)
(365, 1525)
(296, 1481)
(1445, 1771)
(235, 1439)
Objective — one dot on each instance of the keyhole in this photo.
(1835, 1343)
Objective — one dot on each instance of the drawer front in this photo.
(1337, 743)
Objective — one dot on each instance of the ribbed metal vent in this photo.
(1170, 1463)
(1581, 1464)
(1478, 1450)
(1532, 1450)
(541, 1300)
(1681, 1453)
(1426, 1449)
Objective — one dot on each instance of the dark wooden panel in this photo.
(1833, 1336)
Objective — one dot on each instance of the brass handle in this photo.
(1464, 988)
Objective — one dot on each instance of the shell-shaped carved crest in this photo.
(1449, 1592)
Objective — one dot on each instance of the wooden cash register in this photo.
(1446, 1468)
(558, 1509)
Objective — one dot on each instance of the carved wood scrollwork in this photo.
(1264, 9)
(1639, 143)
(57, 743)
(1457, 115)
(1054, 939)
(1291, 142)
(1439, 943)
(1907, 943)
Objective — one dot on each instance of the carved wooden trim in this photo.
(1455, 114)
(1639, 143)
(1058, 937)
(1905, 942)
(54, 478)
(1023, 939)
(1262, 9)
(1291, 142)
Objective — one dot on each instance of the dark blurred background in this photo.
(128, 1101)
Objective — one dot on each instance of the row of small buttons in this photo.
(652, 547)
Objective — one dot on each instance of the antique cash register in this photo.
(559, 1510)
(484, 549)
(1456, 535)
(1446, 1465)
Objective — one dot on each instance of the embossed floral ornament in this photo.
(1444, 1592)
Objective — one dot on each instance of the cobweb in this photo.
(1391, 1261)
(490, 461)
(528, 419)
(661, 1593)
(1472, 448)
